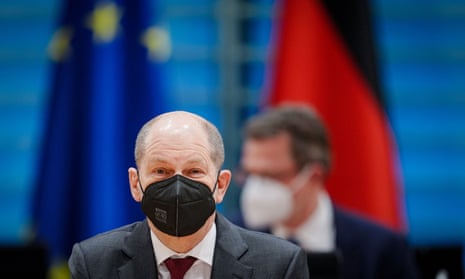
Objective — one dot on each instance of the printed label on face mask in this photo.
(161, 215)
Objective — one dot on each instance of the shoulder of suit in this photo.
(112, 236)
(257, 239)
(264, 239)
(362, 225)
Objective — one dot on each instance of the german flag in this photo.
(325, 56)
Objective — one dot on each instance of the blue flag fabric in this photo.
(104, 88)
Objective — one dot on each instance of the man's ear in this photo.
(317, 173)
(224, 178)
(136, 191)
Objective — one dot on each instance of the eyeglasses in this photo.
(240, 175)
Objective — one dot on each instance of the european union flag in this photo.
(106, 83)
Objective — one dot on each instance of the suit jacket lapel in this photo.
(139, 252)
(228, 249)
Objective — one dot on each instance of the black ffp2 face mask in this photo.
(178, 206)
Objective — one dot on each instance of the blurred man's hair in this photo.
(309, 139)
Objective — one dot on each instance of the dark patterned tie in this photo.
(179, 266)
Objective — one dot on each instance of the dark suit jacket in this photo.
(127, 252)
(365, 250)
(370, 251)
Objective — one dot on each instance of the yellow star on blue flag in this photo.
(60, 47)
(158, 43)
(104, 21)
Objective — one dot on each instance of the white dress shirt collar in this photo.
(202, 251)
(317, 233)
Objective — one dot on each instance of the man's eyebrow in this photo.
(158, 160)
(192, 160)
(196, 160)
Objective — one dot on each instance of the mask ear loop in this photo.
(140, 184)
(216, 183)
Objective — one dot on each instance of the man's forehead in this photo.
(191, 158)
(266, 154)
(171, 149)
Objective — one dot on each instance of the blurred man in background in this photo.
(287, 157)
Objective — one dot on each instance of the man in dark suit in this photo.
(179, 181)
(286, 156)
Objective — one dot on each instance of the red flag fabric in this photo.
(312, 64)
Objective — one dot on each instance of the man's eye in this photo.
(195, 172)
(160, 171)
